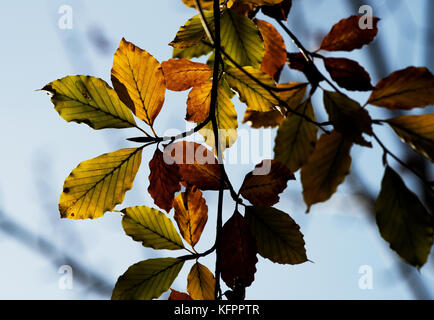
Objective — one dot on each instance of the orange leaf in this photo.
(263, 186)
(191, 214)
(139, 81)
(348, 74)
(198, 103)
(347, 35)
(238, 253)
(182, 74)
(164, 181)
(405, 89)
(197, 165)
(176, 295)
(275, 50)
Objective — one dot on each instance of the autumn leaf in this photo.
(278, 11)
(139, 81)
(151, 227)
(255, 96)
(405, 89)
(241, 39)
(297, 61)
(348, 117)
(417, 132)
(277, 235)
(176, 295)
(348, 74)
(192, 32)
(191, 214)
(205, 4)
(238, 252)
(89, 100)
(164, 181)
(197, 165)
(275, 51)
(263, 185)
(403, 221)
(326, 169)
(182, 74)
(296, 138)
(262, 2)
(98, 185)
(195, 51)
(148, 279)
(201, 283)
(258, 119)
(347, 35)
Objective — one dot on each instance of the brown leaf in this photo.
(182, 74)
(326, 169)
(347, 35)
(278, 11)
(197, 165)
(275, 50)
(263, 185)
(266, 119)
(191, 214)
(176, 295)
(164, 181)
(405, 89)
(238, 253)
(297, 61)
(348, 74)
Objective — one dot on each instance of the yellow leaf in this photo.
(255, 96)
(191, 214)
(182, 74)
(201, 283)
(405, 89)
(326, 169)
(139, 81)
(205, 4)
(89, 100)
(192, 32)
(98, 185)
(417, 132)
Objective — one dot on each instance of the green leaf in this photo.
(277, 235)
(98, 185)
(296, 138)
(192, 32)
(417, 132)
(89, 100)
(195, 51)
(151, 227)
(148, 279)
(256, 97)
(241, 39)
(403, 221)
(326, 169)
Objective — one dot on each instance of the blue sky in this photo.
(40, 150)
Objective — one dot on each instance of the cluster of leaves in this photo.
(247, 56)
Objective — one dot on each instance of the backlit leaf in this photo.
(205, 4)
(139, 81)
(197, 165)
(182, 74)
(277, 235)
(148, 279)
(176, 295)
(89, 100)
(405, 89)
(238, 253)
(256, 97)
(296, 138)
(326, 169)
(164, 181)
(347, 35)
(191, 214)
(151, 227)
(258, 119)
(98, 185)
(241, 39)
(417, 132)
(192, 32)
(348, 74)
(201, 283)
(275, 51)
(195, 51)
(403, 220)
(263, 185)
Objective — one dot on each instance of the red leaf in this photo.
(238, 252)
(176, 295)
(348, 74)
